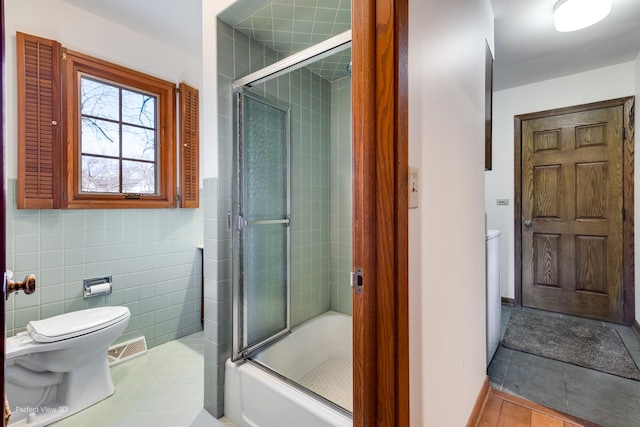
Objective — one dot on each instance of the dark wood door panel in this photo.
(579, 304)
(572, 226)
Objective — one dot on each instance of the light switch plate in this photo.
(502, 202)
(413, 187)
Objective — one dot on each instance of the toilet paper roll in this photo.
(103, 288)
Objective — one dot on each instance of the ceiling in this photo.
(290, 26)
(528, 49)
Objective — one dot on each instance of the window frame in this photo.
(74, 66)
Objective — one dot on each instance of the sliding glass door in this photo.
(260, 224)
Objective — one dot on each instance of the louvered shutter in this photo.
(39, 123)
(189, 146)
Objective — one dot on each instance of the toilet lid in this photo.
(76, 323)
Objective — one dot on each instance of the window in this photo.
(118, 139)
(97, 135)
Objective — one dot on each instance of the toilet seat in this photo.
(76, 323)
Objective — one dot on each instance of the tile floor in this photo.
(164, 388)
(606, 399)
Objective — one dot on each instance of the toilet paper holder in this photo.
(97, 286)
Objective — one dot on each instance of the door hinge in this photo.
(624, 134)
(357, 280)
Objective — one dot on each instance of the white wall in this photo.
(597, 85)
(84, 32)
(209, 90)
(446, 244)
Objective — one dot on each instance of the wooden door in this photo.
(572, 213)
(380, 213)
(3, 207)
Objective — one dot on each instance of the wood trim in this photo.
(380, 212)
(364, 211)
(488, 107)
(628, 255)
(628, 194)
(481, 402)
(189, 146)
(508, 301)
(402, 214)
(39, 129)
(77, 64)
(517, 208)
(3, 203)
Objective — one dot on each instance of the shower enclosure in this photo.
(291, 361)
(261, 219)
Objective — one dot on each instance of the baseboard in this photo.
(481, 401)
(508, 301)
(636, 328)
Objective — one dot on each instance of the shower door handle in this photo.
(241, 223)
(285, 221)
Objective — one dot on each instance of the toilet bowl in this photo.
(59, 365)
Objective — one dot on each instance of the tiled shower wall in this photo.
(309, 98)
(341, 184)
(151, 254)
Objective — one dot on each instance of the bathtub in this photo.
(319, 355)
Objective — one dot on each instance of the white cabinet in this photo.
(493, 293)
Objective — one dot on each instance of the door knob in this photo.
(528, 223)
(28, 285)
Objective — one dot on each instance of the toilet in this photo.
(59, 365)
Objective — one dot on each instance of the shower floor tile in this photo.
(333, 380)
(163, 388)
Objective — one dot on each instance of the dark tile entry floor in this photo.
(606, 399)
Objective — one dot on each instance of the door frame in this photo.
(380, 212)
(3, 204)
(628, 246)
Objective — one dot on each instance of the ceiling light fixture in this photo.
(572, 15)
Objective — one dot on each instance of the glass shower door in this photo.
(260, 224)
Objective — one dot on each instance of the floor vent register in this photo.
(127, 350)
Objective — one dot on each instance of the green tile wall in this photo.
(341, 179)
(151, 255)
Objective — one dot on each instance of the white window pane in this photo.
(99, 99)
(138, 143)
(100, 175)
(138, 177)
(138, 109)
(100, 137)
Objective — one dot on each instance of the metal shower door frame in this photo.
(236, 222)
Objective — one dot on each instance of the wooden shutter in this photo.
(39, 123)
(189, 147)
